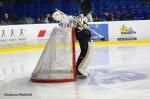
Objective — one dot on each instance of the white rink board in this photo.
(25, 35)
(22, 35)
(141, 28)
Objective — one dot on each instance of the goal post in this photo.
(57, 62)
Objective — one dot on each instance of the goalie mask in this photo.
(58, 15)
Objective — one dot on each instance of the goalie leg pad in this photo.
(84, 64)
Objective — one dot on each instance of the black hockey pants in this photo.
(84, 38)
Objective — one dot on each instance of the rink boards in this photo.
(14, 36)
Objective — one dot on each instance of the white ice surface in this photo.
(116, 72)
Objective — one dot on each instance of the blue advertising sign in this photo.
(102, 29)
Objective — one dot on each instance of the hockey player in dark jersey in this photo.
(83, 35)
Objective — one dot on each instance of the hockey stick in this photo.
(96, 33)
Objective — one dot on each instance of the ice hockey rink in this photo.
(116, 72)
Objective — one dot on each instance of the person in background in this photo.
(120, 16)
(46, 20)
(6, 20)
(107, 16)
(96, 18)
(29, 20)
(40, 20)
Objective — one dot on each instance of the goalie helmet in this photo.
(58, 15)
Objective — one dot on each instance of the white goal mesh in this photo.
(57, 62)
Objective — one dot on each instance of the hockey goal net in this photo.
(57, 62)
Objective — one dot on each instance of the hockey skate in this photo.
(81, 76)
